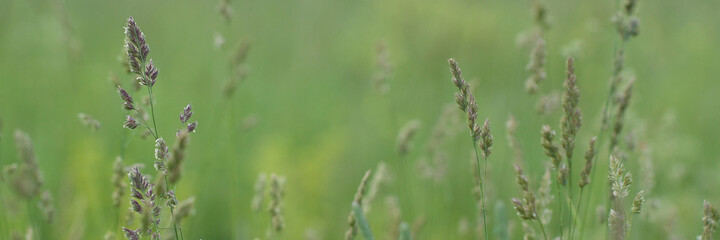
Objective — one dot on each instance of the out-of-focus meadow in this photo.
(307, 108)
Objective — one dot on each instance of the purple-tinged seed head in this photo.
(160, 166)
(137, 180)
(151, 73)
(191, 127)
(130, 234)
(135, 206)
(137, 194)
(130, 122)
(124, 95)
(161, 149)
(186, 114)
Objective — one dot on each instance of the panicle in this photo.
(572, 118)
(465, 99)
(405, 136)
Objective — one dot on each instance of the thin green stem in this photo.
(560, 206)
(172, 209)
(152, 110)
(568, 195)
(142, 119)
(572, 229)
(542, 228)
(482, 191)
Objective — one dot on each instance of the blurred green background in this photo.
(321, 123)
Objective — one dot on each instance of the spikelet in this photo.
(393, 230)
(710, 221)
(352, 224)
(619, 178)
(118, 182)
(175, 160)
(551, 149)
(626, 24)
(47, 207)
(486, 139)
(162, 152)
(623, 102)
(536, 66)
(259, 192)
(184, 209)
(548, 103)
(589, 156)
(638, 202)
(277, 191)
(239, 68)
(25, 177)
(378, 178)
(143, 202)
(526, 208)
(89, 121)
(383, 69)
(405, 135)
(538, 53)
(225, 10)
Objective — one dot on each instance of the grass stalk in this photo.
(482, 190)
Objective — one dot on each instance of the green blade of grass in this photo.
(362, 222)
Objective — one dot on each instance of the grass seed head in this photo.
(572, 118)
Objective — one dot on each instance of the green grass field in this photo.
(307, 109)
